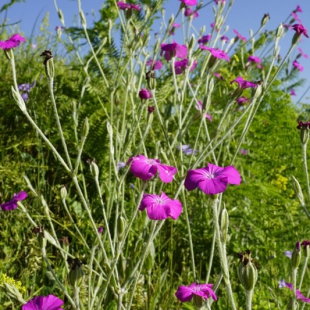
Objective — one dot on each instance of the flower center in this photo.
(159, 200)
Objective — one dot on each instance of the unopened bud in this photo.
(121, 225)
(265, 20)
(224, 225)
(191, 42)
(304, 135)
(63, 192)
(247, 271)
(279, 31)
(85, 128)
(298, 191)
(83, 19)
(94, 169)
(76, 273)
(18, 98)
(296, 255)
(61, 16)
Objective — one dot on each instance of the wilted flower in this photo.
(173, 50)
(217, 53)
(12, 204)
(186, 293)
(295, 16)
(300, 29)
(239, 35)
(242, 84)
(128, 6)
(298, 9)
(205, 39)
(174, 27)
(212, 179)
(242, 100)
(199, 107)
(155, 64)
(145, 168)
(49, 302)
(160, 207)
(224, 38)
(145, 94)
(189, 2)
(297, 65)
(292, 92)
(189, 12)
(180, 66)
(301, 53)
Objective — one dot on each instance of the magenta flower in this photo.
(160, 207)
(239, 35)
(295, 16)
(218, 75)
(181, 65)
(219, 1)
(173, 50)
(128, 6)
(145, 94)
(12, 204)
(173, 28)
(217, 53)
(244, 152)
(212, 179)
(205, 39)
(145, 168)
(12, 42)
(292, 92)
(49, 302)
(155, 64)
(189, 2)
(297, 65)
(299, 295)
(242, 100)
(242, 84)
(224, 38)
(100, 230)
(198, 107)
(298, 9)
(254, 59)
(300, 29)
(301, 53)
(189, 12)
(186, 293)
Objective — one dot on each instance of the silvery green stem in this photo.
(294, 283)
(77, 297)
(304, 268)
(60, 131)
(305, 166)
(223, 258)
(249, 297)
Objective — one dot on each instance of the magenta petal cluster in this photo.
(212, 179)
(300, 29)
(217, 53)
(186, 293)
(155, 64)
(160, 207)
(49, 302)
(205, 39)
(241, 37)
(297, 65)
(12, 42)
(189, 2)
(173, 50)
(242, 100)
(12, 204)
(128, 6)
(242, 84)
(145, 94)
(292, 92)
(189, 12)
(302, 53)
(298, 9)
(181, 65)
(145, 168)
(299, 295)
(254, 59)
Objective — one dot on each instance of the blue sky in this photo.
(244, 15)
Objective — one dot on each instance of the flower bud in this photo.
(85, 128)
(76, 273)
(247, 271)
(296, 255)
(83, 19)
(61, 16)
(63, 192)
(279, 31)
(121, 225)
(265, 20)
(224, 225)
(9, 53)
(18, 98)
(298, 191)
(304, 135)
(94, 170)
